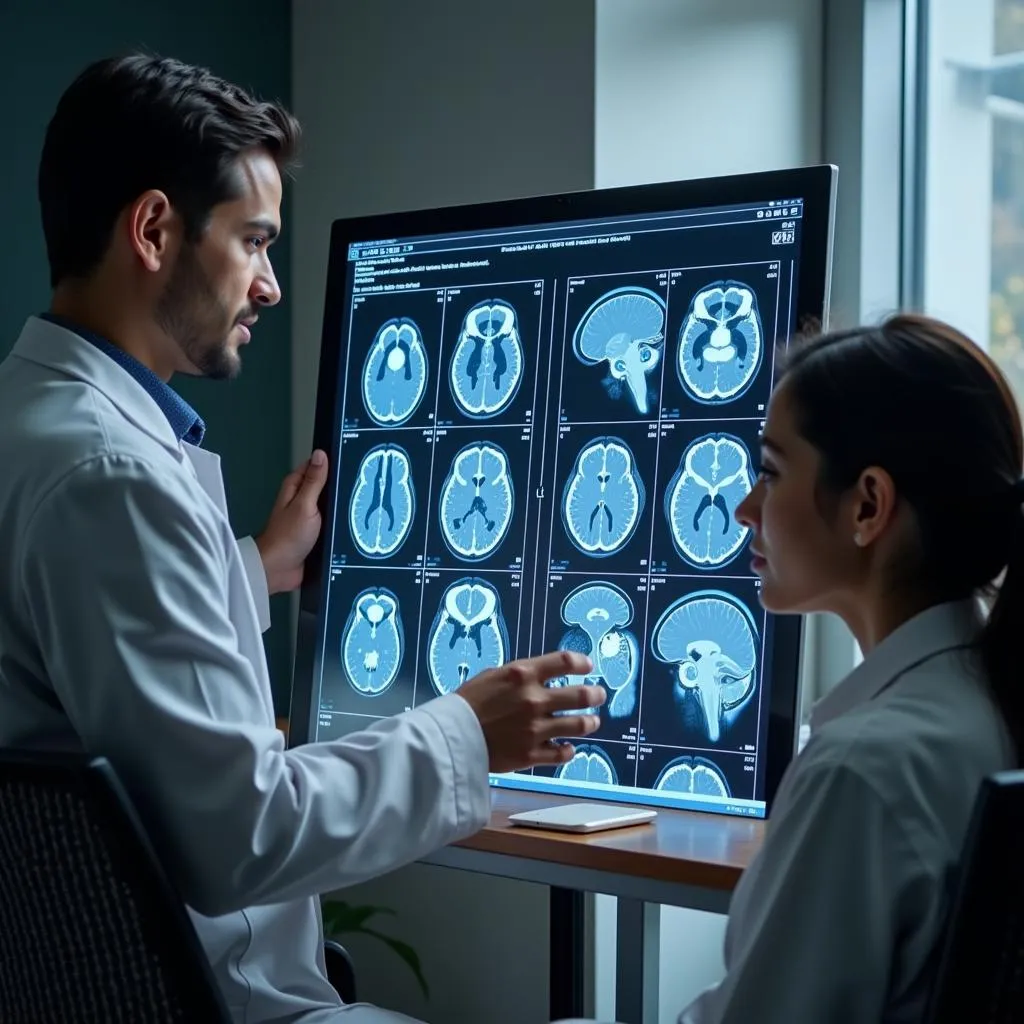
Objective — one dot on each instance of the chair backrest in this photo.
(980, 972)
(91, 929)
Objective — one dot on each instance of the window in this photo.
(967, 232)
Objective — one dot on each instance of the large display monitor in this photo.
(541, 415)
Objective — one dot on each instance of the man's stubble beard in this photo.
(190, 312)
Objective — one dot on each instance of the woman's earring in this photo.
(858, 539)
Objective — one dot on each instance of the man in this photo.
(130, 616)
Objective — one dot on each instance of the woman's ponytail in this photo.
(1001, 644)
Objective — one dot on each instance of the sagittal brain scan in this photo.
(373, 642)
(395, 373)
(597, 615)
(383, 502)
(476, 501)
(710, 640)
(695, 775)
(604, 497)
(720, 343)
(625, 330)
(589, 764)
(487, 365)
(468, 634)
(713, 477)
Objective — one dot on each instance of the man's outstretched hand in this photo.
(294, 524)
(516, 709)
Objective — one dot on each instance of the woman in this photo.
(890, 495)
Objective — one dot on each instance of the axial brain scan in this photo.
(476, 501)
(603, 498)
(395, 373)
(589, 764)
(720, 343)
(597, 614)
(693, 775)
(713, 477)
(625, 329)
(487, 366)
(468, 634)
(711, 640)
(373, 642)
(383, 503)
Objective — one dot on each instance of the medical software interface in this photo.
(543, 436)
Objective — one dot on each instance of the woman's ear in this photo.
(874, 505)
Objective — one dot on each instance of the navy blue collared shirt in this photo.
(184, 420)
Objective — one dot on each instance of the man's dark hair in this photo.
(141, 122)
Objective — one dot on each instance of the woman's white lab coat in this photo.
(128, 627)
(838, 918)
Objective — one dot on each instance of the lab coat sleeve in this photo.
(257, 577)
(815, 919)
(126, 585)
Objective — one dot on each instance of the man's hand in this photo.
(294, 524)
(516, 710)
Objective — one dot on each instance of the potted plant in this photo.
(342, 918)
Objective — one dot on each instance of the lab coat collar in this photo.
(207, 468)
(60, 349)
(939, 628)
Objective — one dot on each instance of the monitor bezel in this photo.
(815, 185)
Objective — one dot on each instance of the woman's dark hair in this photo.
(141, 122)
(919, 399)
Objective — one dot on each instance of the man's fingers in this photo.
(550, 666)
(290, 486)
(553, 753)
(568, 725)
(575, 698)
(314, 477)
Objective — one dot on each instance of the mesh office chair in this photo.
(91, 928)
(980, 975)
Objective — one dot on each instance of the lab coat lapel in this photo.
(941, 628)
(57, 348)
(208, 473)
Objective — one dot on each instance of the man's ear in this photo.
(153, 227)
(874, 505)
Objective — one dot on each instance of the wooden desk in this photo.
(681, 859)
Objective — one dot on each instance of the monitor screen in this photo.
(541, 417)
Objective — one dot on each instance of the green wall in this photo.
(43, 45)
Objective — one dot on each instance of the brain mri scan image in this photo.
(625, 330)
(713, 477)
(588, 764)
(487, 365)
(383, 503)
(711, 640)
(395, 373)
(468, 634)
(603, 498)
(476, 501)
(597, 614)
(373, 642)
(720, 343)
(695, 775)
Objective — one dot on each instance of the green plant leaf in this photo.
(406, 952)
(340, 917)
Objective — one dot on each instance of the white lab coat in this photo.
(128, 628)
(838, 918)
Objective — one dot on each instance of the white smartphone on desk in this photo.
(583, 817)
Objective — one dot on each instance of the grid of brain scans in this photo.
(543, 446)
(437, 438)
